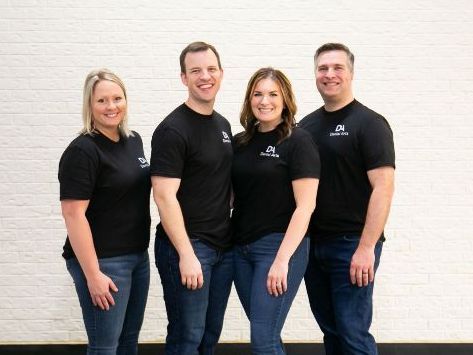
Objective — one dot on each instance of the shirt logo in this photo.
(226, 138)
(270, 152)
(143, 162)
(339, 131)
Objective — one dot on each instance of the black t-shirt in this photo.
(114, 176)
(351, 141)
(262, 176)
(197, 149)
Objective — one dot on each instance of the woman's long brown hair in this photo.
(248, 119)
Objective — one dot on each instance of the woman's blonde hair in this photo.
(91, 81)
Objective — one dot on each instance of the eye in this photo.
(195, 71)
(257, 94)
(118, 99)
(274, 94)
(212, 70)
(100, 101)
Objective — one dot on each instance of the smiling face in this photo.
(267, 104)
(202, 77)
(334, 77)
(108, 107)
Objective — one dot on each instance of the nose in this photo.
(205, 74)
(330, 72)
(111, 104)
(264, 99)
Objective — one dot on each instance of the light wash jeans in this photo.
(115, 331)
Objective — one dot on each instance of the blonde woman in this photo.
(104, 192)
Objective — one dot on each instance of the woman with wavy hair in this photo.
(275, 178)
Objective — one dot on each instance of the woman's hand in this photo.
(80, 236)
(277, 278)
(99, 288)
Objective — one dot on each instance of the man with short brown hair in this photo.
(353, 201)
(190, 172)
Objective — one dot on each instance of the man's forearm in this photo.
(378, 210)
(173, 223)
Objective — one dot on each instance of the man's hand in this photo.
(362, 266)
(191, 272)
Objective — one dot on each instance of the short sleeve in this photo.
(377, 144)
(304, 158)
(168, 152)
(77, 175)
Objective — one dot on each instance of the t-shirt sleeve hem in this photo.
(305, 175)
(74, 197)
(165, 174)
(380, 165)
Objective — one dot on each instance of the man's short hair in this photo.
(335, 47)
(197, 47)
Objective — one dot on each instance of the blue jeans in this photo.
(342, 310)
(267, 313)
(195, 317)
(115, 331)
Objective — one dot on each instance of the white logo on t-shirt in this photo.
(270, 152)
(226, 138)
(143, 162)
(339, 131)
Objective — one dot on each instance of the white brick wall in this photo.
(414, 64)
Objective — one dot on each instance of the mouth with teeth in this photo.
(206, 86)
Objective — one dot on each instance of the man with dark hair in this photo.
(190, 172)
(353, 201)
(197, 47)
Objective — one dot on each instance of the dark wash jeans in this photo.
(342, 310)
(267, 313)
(195, 317)
(115, 331)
